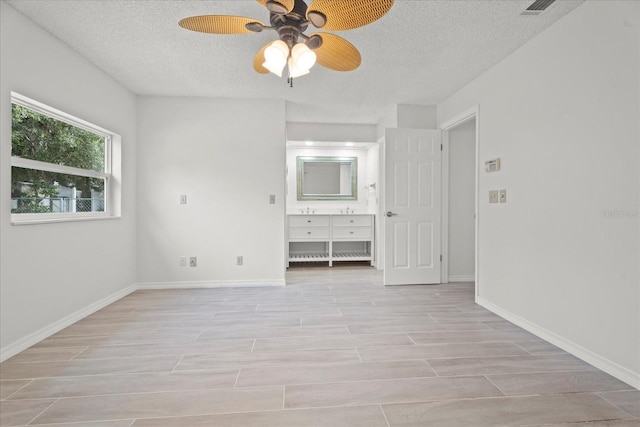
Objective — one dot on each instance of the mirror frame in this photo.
(300, 160)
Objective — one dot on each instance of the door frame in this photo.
(445, 127)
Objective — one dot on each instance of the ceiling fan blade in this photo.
(218, 24)
(278, 6)
(258, 60)
(337, 53)
(338, 15)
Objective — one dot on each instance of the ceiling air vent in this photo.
(537, 7)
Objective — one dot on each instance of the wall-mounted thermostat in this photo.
(492, 165)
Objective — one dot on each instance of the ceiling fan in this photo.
(294, 49)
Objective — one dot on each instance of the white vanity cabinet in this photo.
(309, 238)
(348, 237)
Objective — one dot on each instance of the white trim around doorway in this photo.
(445, 127)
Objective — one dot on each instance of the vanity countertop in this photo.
(329, 213)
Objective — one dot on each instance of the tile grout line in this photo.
(284, 394)
(432, 368)
(358, 354)
(384, 415)
(408, 334)
(494, 384)
(9, 397)
(235, 384)
(177, 363)
(43, 411)
(79, 353)
(524, 349)
(597, 393)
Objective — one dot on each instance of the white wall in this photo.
(374, 199)
(390, 120)
(228, 157)
(52, 272)
(338, 132)
(372, 177)
(462, 160)
(411, 116)
(562, 114)
(328, 206)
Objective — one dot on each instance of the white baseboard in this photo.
(620, 372)
(34, 338)
(462, 278)
(211, 284)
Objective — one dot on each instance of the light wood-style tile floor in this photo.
(333, 348)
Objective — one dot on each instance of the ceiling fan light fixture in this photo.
(275, 57)
(296, 50)
(303, 57)
(295, 70)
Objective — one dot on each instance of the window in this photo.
(60, 165)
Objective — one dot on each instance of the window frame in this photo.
(107, 175)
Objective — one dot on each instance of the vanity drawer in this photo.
(312, 233)
(308, 220)
(352, 220)
(352, 233)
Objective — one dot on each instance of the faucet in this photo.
(307, 209)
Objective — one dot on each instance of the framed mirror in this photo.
(327, 178)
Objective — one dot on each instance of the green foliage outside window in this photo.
(39, 137)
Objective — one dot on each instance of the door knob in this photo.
(390, 214)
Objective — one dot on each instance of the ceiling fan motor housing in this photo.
(290, 26)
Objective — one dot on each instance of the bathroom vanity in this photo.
(330, 238)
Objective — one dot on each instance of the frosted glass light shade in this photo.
(304, 57)
(295, 70)
(276, 57)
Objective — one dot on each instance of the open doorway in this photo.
(331, 203)
(460, 199)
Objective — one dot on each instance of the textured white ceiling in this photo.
(421, 52)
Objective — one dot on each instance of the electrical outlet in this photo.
(193, 261)
(239, 260)
(183, 261)
(183, 199)
(503, 196)
(493, 196)
(272, 199)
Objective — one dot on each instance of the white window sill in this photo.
(17, 219)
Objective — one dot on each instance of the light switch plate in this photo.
(183, 199)
(503, 196)
(492, 165)
(493, 196)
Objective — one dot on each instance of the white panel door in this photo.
(412, 206)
